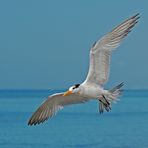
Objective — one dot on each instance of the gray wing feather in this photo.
(54, 103)
(101, 51)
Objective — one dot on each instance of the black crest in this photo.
(77, 85)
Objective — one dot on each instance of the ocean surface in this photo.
(76, 126)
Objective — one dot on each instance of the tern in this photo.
(98, 74)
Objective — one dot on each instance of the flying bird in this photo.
(98, 74)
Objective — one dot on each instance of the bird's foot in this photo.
(104, 103)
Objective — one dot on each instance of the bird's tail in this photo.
(111, 96)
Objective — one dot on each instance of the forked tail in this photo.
(111, 96)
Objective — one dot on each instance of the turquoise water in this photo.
(76, 126)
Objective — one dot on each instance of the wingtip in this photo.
(29, 123)
(33, 123)
(137, 15)
(121, 84)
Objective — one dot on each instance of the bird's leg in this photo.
(104, 103)
(103, 99)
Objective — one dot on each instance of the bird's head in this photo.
(72, 89)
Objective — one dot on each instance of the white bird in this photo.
(92, 87)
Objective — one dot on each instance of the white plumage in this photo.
(92, 87)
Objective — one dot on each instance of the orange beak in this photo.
(67, 93)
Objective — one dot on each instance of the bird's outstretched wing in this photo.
(54, 103)
(101, 50)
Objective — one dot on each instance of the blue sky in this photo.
(44, 44)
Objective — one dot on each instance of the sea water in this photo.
(76, 126)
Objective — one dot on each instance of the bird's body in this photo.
(92, 87)
(92, 91)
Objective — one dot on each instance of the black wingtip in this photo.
(29, 124)
(136, 17)
(137, 14)
(121, 84)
